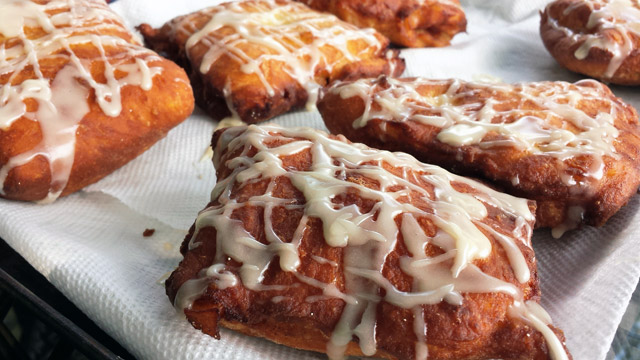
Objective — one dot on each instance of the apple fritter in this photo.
(574, 148)
(316, 243)
(256, 59)
(411, 23)
(596, 38)
(79, 96)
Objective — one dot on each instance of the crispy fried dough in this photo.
(574, 148)
(595, 38)
(302, 224)
(79, 97)
(257, 59)
(411, 23)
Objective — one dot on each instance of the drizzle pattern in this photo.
(613, 25)
(367, 235)
(540, 118)
(268, 34)
(36, 38)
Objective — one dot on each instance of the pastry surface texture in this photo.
(319, 244)
(256, 59)
(596, 38)
(412, 23)
(574, 148)
(79, 97)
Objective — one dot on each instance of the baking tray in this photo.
(50, 325)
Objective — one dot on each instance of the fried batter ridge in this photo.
(79, 97)
(596, 38)
(411, 23)
(256, 59)
(574, 148)
(316, 243)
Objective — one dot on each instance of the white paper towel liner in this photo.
(90, 244)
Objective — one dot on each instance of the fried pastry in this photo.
(596, 38)
(79, 96)
(316, 243)
(256, 59)
(574, 148)
(411, 23)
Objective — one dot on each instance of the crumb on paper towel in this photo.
(148, 232)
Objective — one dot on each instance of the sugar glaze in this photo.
(62, 98)
(280, 32)
(542, 119)
(613, 25)
(458, 217)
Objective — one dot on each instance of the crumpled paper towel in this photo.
(90, 244)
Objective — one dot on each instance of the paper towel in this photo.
(90, 244)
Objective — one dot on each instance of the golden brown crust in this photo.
(565, 31)
(537, 177)
(102, 143)
(245, 90)
(410, 23)
(477, 329)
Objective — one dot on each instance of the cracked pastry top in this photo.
(574, 148)
(79, 96)
(411, 23)
(255, 59)
(596, 38)
(316, 243)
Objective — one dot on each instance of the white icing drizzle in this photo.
(466, 112)
(621, 17)
(467, 122)
(367, 236)
(63, 99)
(575, 216)
(284, 32)
(322, 260)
